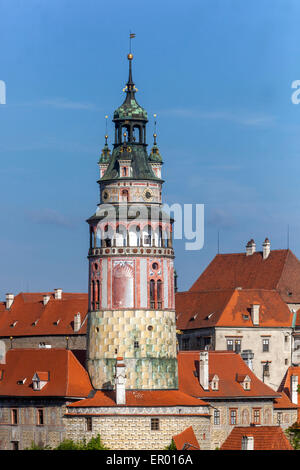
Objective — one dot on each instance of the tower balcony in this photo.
(132, 251)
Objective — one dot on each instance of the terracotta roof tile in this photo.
(141, 398)
(265, 438)
(226, 365)
(186, 440)
(231, 308)
(31, 317)
(280, 271)
(65, 375)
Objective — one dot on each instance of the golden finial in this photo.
(130, 56)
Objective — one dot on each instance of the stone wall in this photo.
(28, 430)
(134, 432)
(146, 339)
(244, 417)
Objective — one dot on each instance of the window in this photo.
(152, 294)
(154, 424)
(40, 417)
(159, 293)
(266, 345)
(216, 417)
(15, 445)
(256, 416)
(185, 344)
(237, 345)
(14, 416)
(229, 345)
(198, 342)
(89, 423)
(207, 341)
(136, 345)
(279, 417)
(233, 417)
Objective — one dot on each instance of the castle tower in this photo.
(131, 273)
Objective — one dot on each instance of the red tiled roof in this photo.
(230, 308)
(141, 398)
(280, 271)
(285, 386)
(186, 440)
(66, 376)
(34, 318)
(265, 438)
(226, 364)
(284, 402)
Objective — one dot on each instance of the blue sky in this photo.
(217, 73)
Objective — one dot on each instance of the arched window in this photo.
(93, 295)
(121, 236)
(124, 194)
(134, 236)
(152, 293)
(108, 236)
(159, 293)
(147, 236)
(124, 171)
(98, 295)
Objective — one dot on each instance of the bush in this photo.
(293, 433)
(172, 446)
(94, 443)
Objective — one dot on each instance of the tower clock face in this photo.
(105, 195)
(148, 195)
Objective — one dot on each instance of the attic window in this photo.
(39, 380)
(210, 315)
(21, 382)
(13, 324)
(56, 322)
(290, 294)
(34, 323)
(194, 317)
(245, 317)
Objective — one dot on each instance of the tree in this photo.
(293, 433)
(171, 446)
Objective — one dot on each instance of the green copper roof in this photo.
(130, 109)
(105, 154)
(141, 169)
(155, 156)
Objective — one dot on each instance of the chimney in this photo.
(77, 322)
(203, 370)
(9, 300)
(250, 247)
(255, 314)
(294, 389)
(58, 294)
(266, 248)
(120, 381)
(247, 443)
(46, 299)
(247, 355)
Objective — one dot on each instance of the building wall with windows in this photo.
(227, 414)
(24, 421)
(272, 345)
(138, 432)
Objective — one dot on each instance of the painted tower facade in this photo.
(131, 272)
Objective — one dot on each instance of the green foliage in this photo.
(35, 446)
(172, 446)
(293, 433)
(94, 443)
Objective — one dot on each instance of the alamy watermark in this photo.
(2, 92)
(152, 224)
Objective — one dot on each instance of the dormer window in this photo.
(245, 381)
(39, 380)
(57, 322)
(14, 324)
(247, 443)
(214, 382)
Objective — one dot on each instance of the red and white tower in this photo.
(131, 272)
